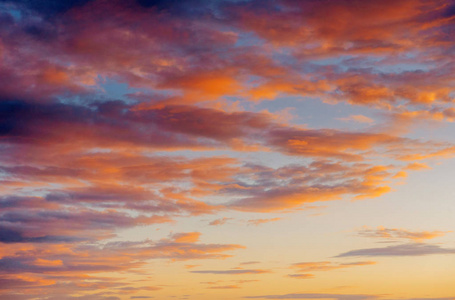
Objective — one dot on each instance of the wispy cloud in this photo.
(357, 118)
(415, 249)
(394, 233)
(232, 272)
(327, 266)
(262, 221)
(317, 296)
(337, 297)
(303, 267)
(221, 221)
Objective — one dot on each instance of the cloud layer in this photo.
(130, 115)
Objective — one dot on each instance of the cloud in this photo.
(119, 176)
(304, 267)
(191, 266)
(301, 276)
(179, 247)
(246, 280)
(232, 272)
(446, 298)
(327, 266)
(53, 8)
(336, 297)
(393, 233)
(410, 27)
(294, 185)
(249, 263)
(417, 166)
(221, 221)
(25, 262)
(187, 237)
(262, 221)
(317, 296)
(97, 136)
(358, 118)
(60, 226)
(224, 287)
(417, 249)
(62, 267)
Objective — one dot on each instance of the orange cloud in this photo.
(262, 221)
(416, 166)
(327, 266)
(188, 237)
(304, 267)
(393, 233)
(222, 287)
(232, 272)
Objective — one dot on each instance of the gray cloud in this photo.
(416, 249)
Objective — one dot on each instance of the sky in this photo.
(227, 149)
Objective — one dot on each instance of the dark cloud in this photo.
(49, 8)
(42, 123)
(450, 10)
(117, 123)
(66, 225)
(173, 6)
(15, 236)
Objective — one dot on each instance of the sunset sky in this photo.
(227, 149)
